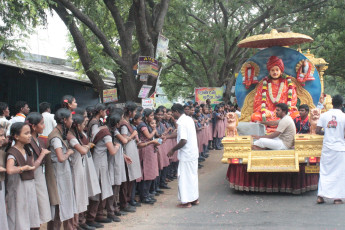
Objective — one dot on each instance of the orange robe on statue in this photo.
(270, 106)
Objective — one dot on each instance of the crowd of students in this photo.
(81, 168)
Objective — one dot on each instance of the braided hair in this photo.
(96, 110)
(77, 120)
(16, 129)
(112, 121)
(60, 115)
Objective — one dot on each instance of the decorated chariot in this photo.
(258, 89)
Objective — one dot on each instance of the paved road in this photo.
(223, 208)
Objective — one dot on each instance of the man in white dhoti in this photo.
(332, 171)
(188, 154)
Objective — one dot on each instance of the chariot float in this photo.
(293, 171)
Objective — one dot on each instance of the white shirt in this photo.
(15, 119)
(333, 122)
(186, 131)
(49, 123)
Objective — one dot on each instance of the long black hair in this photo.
(96, 110)
(146, 113)
(67, 99)
(16, 129)
(129, 107)
(59, 117)
(89, 111)
(78, 119)
(79, 111)
(112, 121)
(34, 118)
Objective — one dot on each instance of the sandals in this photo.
(196, 202)
(338, 201)
(186, 205)
(320, 200)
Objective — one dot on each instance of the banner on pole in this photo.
(148, 66)
(215, 94)
(110, 95)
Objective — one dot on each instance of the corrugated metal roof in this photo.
(59, 70)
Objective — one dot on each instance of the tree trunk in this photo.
(82, 49)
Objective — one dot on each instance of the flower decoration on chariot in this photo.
(250, 72)
(305, 71)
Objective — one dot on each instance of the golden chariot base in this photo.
(237, 150)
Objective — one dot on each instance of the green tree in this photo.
(204, 37)
(111, 35)
(17, 20)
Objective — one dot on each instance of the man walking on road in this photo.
(332, 171)
(187, 146)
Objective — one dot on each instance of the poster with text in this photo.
(148, 66)
(215, 94)
(144, 91)
(162, 47)
(110, 95)
(147, 103)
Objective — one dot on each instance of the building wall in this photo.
(17, 84)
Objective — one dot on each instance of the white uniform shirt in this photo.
(186, 131)
(333, 122)
(15, 119)
(49, 123)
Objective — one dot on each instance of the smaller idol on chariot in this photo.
(272, 90)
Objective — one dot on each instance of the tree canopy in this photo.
(110, 35)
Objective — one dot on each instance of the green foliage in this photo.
(204, 35)
(17, 19)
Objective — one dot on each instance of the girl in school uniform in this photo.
(36, 122)
(21, 198)
(69, 102)
(92, 182)
(218, 128)
(131, 150)
(58, 145)
(78, 162)
(102, 139)
(3, 214)
(163, 149)
(117, 167)
(148, 157)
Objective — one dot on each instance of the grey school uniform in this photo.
(93, 187)
(22, 203)
(100, 160)
(3, 216)
(131, 150)
(67, 207)
(42, 193)
(78, 165)
(117, 170)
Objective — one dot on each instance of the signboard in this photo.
(214, 94)
(109, 95)
(162, 47)
(148, 66)
(147, 103)
(144, 91)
